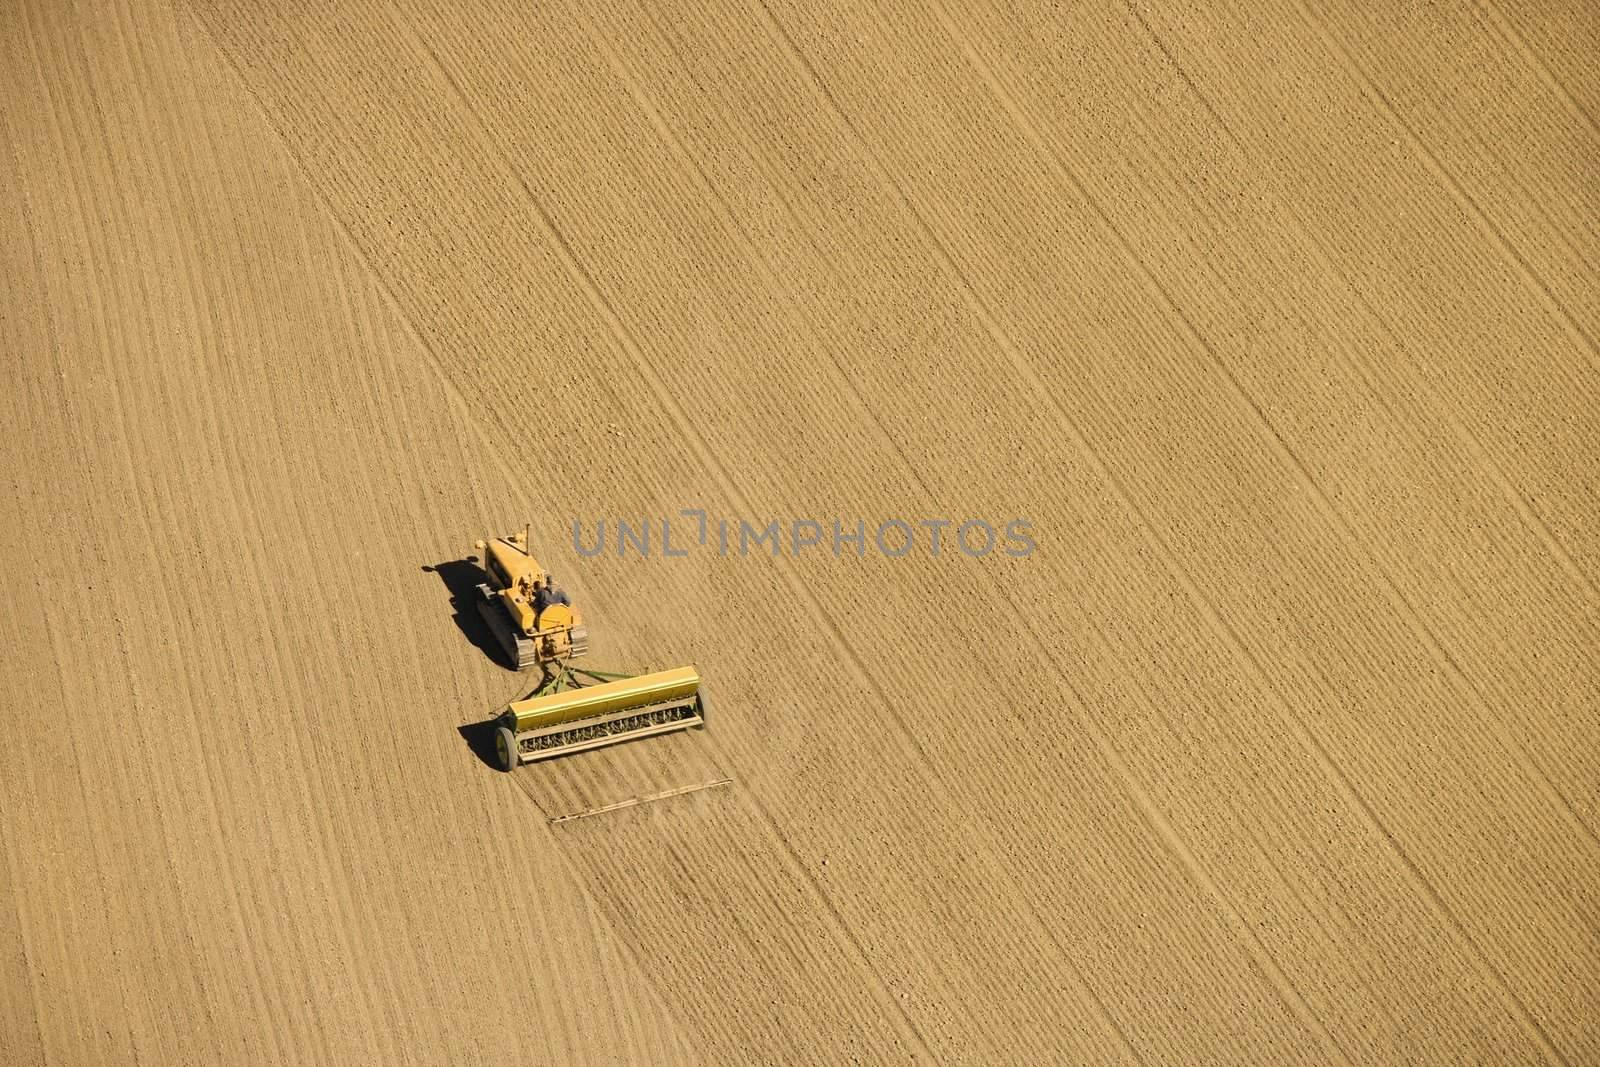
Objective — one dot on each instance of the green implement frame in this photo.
(575, 709)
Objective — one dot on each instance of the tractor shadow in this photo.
(461, 578)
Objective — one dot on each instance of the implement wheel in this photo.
(505, 749)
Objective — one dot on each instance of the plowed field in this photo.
(1274, 324)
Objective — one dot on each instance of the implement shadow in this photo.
(479, 737)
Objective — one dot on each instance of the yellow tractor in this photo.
(572, 709)
(531, 619)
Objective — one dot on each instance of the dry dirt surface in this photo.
(1278, 321)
